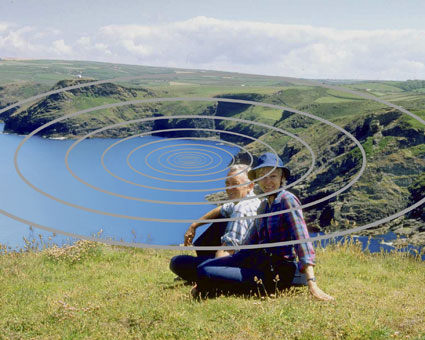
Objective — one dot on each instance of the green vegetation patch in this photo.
(414, 122)
(411, 85)
(256, 112)
(81, 103)
(419, 184)
(96, 291)
(48, 72)
(334, 96)
(418, 150)
(376, 88)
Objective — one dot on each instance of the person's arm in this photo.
(295, 223)
(305, 251)
(190, 233)
(232, 233)
(236, 231)
(312, 285)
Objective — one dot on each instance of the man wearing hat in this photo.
(267, 268)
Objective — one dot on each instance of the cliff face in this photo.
(12, 93)
(395, 156)
(197, 124)
(417, 191)
(395, 148)
(103, 90)
(237, 110)
(26, 120)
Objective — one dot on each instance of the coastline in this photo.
(400, 230)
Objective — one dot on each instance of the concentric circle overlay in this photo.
(175, 117)
(200, 203)
(167, 189)
(158, 188)
(191, 116)
(181, 190)
(192, 138)
(140, 245)
(188, 160)
(191, 159)
(171, 173)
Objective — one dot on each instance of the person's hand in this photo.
(223, 253)
(318, 293)
(189, 235)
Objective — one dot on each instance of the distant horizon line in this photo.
(207, 70)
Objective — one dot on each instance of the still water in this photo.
(42, 162)
(155, 162)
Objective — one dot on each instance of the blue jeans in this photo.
(185, 265)
(244, 272)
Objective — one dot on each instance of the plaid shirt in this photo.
(236, 230)
(283, 227)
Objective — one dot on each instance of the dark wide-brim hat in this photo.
(268, 159)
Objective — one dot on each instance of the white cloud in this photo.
(16, 41)
(3, 26)
(239, 46)
(84, 41)
(60, 48)
(102, 48)
(299, 51)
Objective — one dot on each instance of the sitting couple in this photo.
(248, 270)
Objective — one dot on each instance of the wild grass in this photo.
(376, 88)
(90, 290)
(415, 123)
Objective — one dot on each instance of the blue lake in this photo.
(42, 163)
(160, 163)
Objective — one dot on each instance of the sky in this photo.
(316, 39)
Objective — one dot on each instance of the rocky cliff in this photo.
(395, 147)
(395, 153)
(27, 119)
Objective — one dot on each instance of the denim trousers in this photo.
(244, 272)
(184, 266)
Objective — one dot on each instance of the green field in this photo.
(94, 291)
(50, 71)
(414, 122)
(22, 79)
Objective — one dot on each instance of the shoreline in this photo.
(401, 227)
(408, 231)
(387, 243)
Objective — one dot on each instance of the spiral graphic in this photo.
(193, 160)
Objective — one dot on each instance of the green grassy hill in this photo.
(94, 291)
(393, 142)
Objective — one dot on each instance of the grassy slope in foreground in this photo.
(94, 291)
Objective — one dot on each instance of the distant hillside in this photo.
(27, 119)
(394, 143)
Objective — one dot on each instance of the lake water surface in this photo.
(42, 162)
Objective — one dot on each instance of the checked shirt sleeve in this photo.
(294, 220)
(227, 209)
(237, 230)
